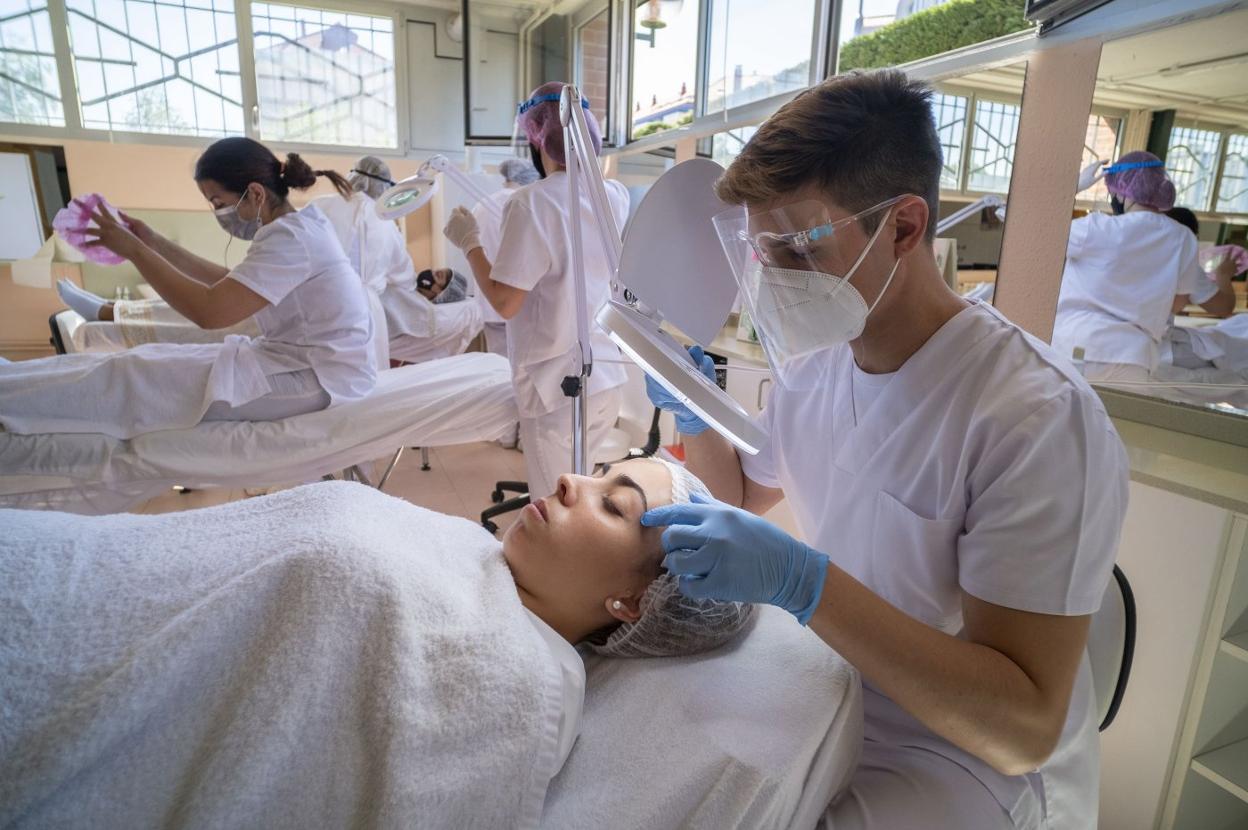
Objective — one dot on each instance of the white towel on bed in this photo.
(323, 657)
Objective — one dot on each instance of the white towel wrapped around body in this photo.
(324, 657)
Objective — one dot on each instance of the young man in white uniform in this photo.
(530, 284)
(1126, 275)
(960, 486)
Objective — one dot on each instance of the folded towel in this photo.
(323, 657)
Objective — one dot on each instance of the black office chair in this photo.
(504, 505)
(1111, 647)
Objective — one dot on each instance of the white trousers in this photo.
(907, 788)
(294, 393)
(547, 440)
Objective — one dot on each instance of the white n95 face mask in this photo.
(799, 311)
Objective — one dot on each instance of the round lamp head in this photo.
(406, 197)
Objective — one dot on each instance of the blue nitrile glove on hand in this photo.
(725, 553)
(686, 422)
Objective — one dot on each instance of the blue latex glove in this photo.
(725, 553)
(686, 421)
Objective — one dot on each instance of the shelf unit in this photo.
(1209, 784)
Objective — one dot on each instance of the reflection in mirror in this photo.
(1152, 297)
(514, 48)
(976, 119)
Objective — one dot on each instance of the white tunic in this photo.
(318, 317)
(984, 465)
(1122, 275)
(491, 225)
(534, 255)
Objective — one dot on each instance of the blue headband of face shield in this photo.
(1132, 165)
(542, 99)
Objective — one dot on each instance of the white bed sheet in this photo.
(451, 401)
(454, 327)
(762, 733)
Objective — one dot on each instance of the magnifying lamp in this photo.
(673, 268)
(974, 207)
(414, 192)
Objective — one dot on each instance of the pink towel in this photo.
(71, 221)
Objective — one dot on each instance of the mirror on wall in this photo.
(1152, 299)
(977, 117)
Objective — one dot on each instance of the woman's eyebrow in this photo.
(626, 481)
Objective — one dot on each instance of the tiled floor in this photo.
(460, 482)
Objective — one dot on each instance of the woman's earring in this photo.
(617, 605)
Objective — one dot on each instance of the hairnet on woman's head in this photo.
(1141, 177)
(671, 624)
(518, 171)
(541, 125)
(370, 175)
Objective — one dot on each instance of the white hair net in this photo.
(370, 175)
(518, 171)
(672, 624)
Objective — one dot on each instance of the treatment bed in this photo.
(762, 733)
(455, 400)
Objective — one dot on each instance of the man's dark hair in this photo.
(864, 137)
(1185, 218)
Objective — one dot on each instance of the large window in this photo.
(29, 87)
(665, 65)
(757, 49)
(1192, 162)
(993, 136)
(1233, 190)
(949, 113)
(324, 77)
(877, 33)
(1100, 143)
(160, 66)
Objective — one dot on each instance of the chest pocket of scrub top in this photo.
(915, 563)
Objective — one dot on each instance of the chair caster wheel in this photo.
(490, 526)
(497, 497)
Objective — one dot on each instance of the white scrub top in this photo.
(1122, 275)
(534, 255)
(984, 465)
(318, 316)
(491, 226)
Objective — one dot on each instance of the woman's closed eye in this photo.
(611, 507)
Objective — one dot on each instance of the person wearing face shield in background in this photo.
(314, 349)
(516, 174)
(1127, 274)
(958, 486)
(530, 284)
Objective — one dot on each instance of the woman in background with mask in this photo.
(309, 304)
(529, 282)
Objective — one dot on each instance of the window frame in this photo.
(71, 103)
(1224, 131)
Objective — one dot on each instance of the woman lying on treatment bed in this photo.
(327, 656)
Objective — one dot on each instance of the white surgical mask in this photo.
(235, 225)
(803, 311)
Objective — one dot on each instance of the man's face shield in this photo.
(796, 269)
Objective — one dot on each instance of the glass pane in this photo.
(949, 113)
(726, 146)
(29, 85)
(158, 66)
(510, 55)
(1100, 144)
(665, 62)
(889, 32)
(1192, 162)
(325, 77)
(1233, 192)
(757, 49)
(992, 146)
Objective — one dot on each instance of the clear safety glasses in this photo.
(795, 267)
